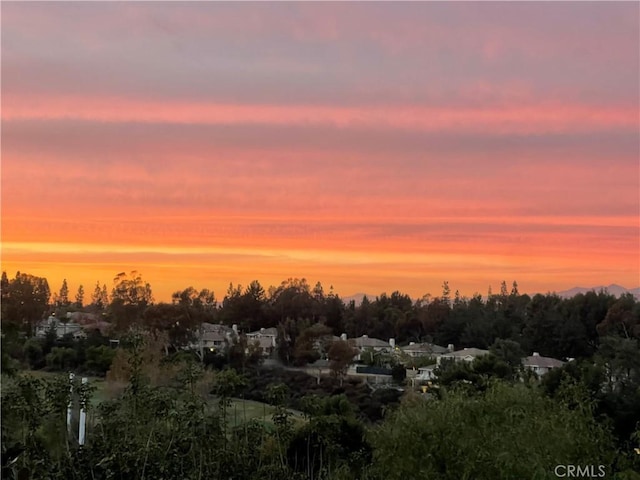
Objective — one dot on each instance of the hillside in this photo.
(613, 289)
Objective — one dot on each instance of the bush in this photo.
(510, 431)
(62, 358)
(33, 353)
(99, 359)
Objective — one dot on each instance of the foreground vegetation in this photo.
(186, 426)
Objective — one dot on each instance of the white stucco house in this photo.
(541, 365)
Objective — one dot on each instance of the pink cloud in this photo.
(520, 119)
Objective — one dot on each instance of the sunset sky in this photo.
(370, 146)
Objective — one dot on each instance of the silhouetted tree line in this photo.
(548, 324)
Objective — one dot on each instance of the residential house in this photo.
(61, 328)
(539, 364)
(214, 337)
(266, 339)
(423, 350)
(466, 355)
(364, 342)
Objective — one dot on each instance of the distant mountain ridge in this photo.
(613, 289)
(357, 298)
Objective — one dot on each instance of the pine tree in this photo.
(97, 296)
(503, 289)
(63, 296)
(104, 296)
(446, 293)
(100, 297)
(80, 297)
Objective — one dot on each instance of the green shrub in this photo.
(62, 358)
(99, 359)
(33, 353)
(507, 432)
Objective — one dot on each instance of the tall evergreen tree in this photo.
(80, 297)
(63, 296)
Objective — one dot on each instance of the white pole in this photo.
(70, 405)
(83, 417)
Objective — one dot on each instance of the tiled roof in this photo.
(424, 348)
(472, 352)
(367, 342)
(543, 362)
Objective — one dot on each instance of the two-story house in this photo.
(213, 337)
(265, 338)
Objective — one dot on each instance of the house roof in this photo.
(217, 328)
(467, 352)
(424, 348)
(367, 342)
(543, 362)
(271, 331)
